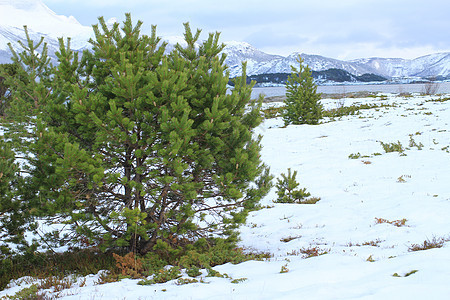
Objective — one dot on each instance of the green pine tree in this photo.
(15, 216)
(5, 94)
(287, 189)
(302, 100)
(136, 148)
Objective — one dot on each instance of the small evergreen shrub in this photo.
(162, 276)
(354, 155)
(29, 293)
(193, 271)
(311, 200)
(392, 147)
(214, 273)
(412, 143)
(238, 280)
(183, 281)
(288, 191)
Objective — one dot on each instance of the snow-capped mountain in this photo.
(437, 64)
(42, 21)
(259, 62)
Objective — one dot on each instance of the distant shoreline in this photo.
(342, 89)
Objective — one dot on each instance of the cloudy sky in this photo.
(343, 29)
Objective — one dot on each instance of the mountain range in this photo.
(258, 62)
(41, 21)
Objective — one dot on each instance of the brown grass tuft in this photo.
(129, 265)
(398, 223)
(427, 244)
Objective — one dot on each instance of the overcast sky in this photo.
(343, 29)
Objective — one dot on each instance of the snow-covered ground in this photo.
(361, 255)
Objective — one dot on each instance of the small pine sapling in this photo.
(287, 189)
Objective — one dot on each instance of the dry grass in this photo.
(289, 238)
(374, 243)
(398, 223)
(427, 244)
(309, 252)
(310, 200)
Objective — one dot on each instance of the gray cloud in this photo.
(344, 29)
(267, 37)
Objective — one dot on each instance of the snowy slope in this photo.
(360, 256)
(424, 66)
(41, 21)
(258, 62)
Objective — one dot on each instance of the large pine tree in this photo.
(131, 146)
(302, 100)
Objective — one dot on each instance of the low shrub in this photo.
(239, 280)
(205, 253)
(313, 251)
(309, 252)
(392, 147)
(183, 281)
(29, 293)
(288, 191)
(406, 274)
(42, 265)
(354, 155)
(427, 244)
(412, 143)
(193, 271)
(129, 265)
(272, 112)
(163, 275)
(351, 110)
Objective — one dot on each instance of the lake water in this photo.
(443, 87)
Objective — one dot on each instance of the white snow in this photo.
(362, 256)
(40, 19)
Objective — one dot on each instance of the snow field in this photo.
(360, 255)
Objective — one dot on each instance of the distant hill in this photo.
(330, 75)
